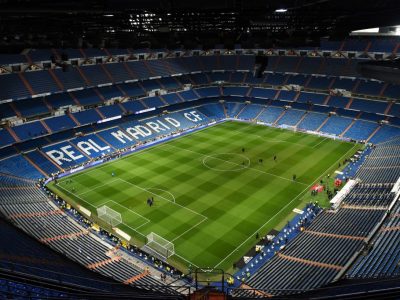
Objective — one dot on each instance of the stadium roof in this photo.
(171, 23)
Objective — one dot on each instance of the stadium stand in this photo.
(320, 252)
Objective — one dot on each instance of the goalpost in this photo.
(159, 246)
(109, 215)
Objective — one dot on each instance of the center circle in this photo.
(226, 162)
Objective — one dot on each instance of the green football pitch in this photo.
(211, 198)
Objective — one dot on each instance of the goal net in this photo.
(109, 215)
(159, 245)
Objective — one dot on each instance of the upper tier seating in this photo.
(30, 130)
(12, 87)
(41, 82)
(95, 75)
(70, 78)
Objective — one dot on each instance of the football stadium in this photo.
(176, 150)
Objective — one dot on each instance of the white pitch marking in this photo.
(95, 187)
(320, 143)
(261, 171)
(240, 167)
(146, 190)
(300, 194)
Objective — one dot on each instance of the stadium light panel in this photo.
(281, 10)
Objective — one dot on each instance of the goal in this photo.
(109, 215)
(159, 246)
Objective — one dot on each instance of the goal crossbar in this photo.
(109, 215)
(158, 244)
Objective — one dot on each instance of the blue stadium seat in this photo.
(246, 62)
(176, 65)
(330, 45)
(153, 102)
(133, 106)
(117, 144)
(192, 63)
(212, 111)
(344, 112)
(336, 125)
(71, 53)
(285, 63)
(87, 97)
(93, 146)
(30, 130)
(5, 138)
(287, 95)
(237, 77)
(297, 79)
(59, 100)
(6, 111)
(171, 98)
(395, 110)
(312, 97)
(31, 107)
(344, 84)
(270, 114)
(383, 45)
(111, 110)
(139, 69)
(70, 79)
(275, 78)
(158, 67)
(253, 80)
(385, 133)
(208, 92)
(87, 116)
(291, 117)
(170, 83)
(12, 87)
(355, 45)
(263, 93)
(60, 123)
(118, 72)
(361, 130)
(208, 63)
(44, 163)
(250, 112)
(150, 85)
(132, 89)
(110, 92)
(95, 74)
(338, 101)
(41, 82)
(219, 76)
(188, 95)
(235, 90)
(310, 65)
(6, 59)
(319, 83)
(74, 159)
(392, 91)
(94, 52)
(39, 55)
(17, 164)
(199, 78)
(229, 62)
(369, 87)
(312, 121)
(369, 105)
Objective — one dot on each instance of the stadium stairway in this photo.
(348, 128)
(373, 133)
(279, 117)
